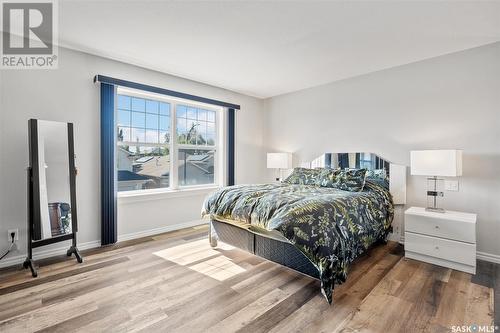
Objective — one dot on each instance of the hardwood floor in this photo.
(176, 282)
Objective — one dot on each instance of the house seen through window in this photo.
(164, 144)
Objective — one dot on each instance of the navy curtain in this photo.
(231, 122)
(343, 160)
(328, 160)
(108, 178)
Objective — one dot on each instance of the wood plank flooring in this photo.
(175, 282)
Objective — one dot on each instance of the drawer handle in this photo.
(437, 247)
(437, 227)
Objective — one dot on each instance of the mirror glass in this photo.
(54, 179)
(368, 161)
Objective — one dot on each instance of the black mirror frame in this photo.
(34, 214)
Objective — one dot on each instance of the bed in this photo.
(314, 229)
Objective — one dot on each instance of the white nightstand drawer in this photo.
(463, 253)
(441, 226)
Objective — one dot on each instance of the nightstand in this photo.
(445, 239)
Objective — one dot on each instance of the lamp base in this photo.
(435, 210)
(433, 194)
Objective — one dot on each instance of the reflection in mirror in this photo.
(367, 161)
(54, 179)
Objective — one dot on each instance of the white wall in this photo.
(69, 95)
(451, 101)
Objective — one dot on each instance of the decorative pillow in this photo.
(303, 176)
(350, 180)
(378, 176)
(377, 173)
(327, 177)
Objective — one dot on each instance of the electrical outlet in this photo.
(16, 237)
(451, 185)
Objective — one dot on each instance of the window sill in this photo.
(162, 194)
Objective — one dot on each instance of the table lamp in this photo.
(279, 161)
(436, 163)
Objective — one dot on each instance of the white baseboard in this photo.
(42, 254)
(156, 231)
(47, 253)
(393, 237)
(495, 258)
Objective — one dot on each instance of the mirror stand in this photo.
(51, 195)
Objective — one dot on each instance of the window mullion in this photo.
(174, 154)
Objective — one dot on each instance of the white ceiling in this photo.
(265, 49)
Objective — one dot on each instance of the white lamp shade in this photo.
(444, 163)
(279, 160)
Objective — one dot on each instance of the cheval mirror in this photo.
(52, 214)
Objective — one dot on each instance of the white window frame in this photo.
(219, 148)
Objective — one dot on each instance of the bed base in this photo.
(280, 252)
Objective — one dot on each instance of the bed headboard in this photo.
(370, 161)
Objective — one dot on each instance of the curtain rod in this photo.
(162, 91)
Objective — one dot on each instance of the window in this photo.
(196, 142)
(164, 142)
